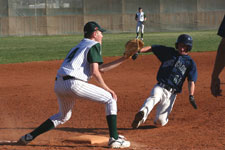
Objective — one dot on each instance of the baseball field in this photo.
(28, 68)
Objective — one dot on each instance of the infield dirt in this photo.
(27, 99)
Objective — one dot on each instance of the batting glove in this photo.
(192, 101)
(135, 55)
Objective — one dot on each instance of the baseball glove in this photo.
(132, 47)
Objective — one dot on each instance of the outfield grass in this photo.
(41, 48)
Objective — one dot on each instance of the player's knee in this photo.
(111, 107)
(59, 118)
(64, 117)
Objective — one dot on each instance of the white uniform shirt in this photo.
(76, 63)
(140, 16)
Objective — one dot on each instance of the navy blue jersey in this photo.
(221, 30)
(175, 67)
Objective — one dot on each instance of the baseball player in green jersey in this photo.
(81, 63)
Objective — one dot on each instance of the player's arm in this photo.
(97, 75)
(136, 17)
(220, 61)
(218, 67)
(145, 18)
(192, 78)
(191, 87)
(111, 65)
(146, 49)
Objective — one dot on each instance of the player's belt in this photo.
(68, 78)
(167, 87)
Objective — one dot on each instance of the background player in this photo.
(83, 62)
(219, 62)
(176, 65)
(140, 17)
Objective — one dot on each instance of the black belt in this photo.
(167, 87)
(66, 77)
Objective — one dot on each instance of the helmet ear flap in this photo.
(189, 48)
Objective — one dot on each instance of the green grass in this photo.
(42, 48)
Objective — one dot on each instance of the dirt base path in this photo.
(27, 99)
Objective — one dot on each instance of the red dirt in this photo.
(27, 99)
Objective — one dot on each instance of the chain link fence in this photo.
(62, 17)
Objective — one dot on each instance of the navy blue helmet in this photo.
(185, 39)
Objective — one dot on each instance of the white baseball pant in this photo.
(165, 100)
(139, 26)
(69, 90)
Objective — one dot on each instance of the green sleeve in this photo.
(94, 54)
(136, 16)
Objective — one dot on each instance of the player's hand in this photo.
(135, 55)
(215, 87)
(113, 94)
(192, 101)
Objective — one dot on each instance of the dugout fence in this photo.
(62, 17)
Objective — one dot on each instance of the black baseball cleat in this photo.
(138, 120)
